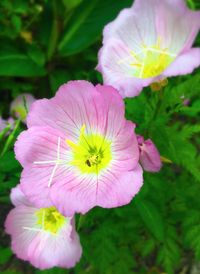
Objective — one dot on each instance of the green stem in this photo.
(54, 33)
(10, 139)
(81, 221)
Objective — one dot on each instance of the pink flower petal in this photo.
(115, 190)
(18, 198)
(184, 64)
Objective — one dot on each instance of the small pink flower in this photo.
(79, 151)
(149, 155)
(10, 123)
(43, 236)
(3, 124)
(150, 41)
(21, 104)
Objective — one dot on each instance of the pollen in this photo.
(151, 61)
(92, 152)
(50, 220)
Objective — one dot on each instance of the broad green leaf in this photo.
(19, 64)
(87, 24)
(152, 218)
(8, 162)
(36, 54)
(57, 78)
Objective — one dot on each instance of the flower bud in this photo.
(149, 155)
(21, 105)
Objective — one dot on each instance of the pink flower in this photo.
(79, 151)
(21, 104)
(149, 155)
(148, 42)
(43, 236)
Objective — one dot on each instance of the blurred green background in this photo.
(43, 44)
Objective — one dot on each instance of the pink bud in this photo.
(20, 105)
(149, 155)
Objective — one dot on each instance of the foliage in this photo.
(46, 43)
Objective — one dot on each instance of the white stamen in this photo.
(43, 218)
(58, 149)
(52, 175)
(142, 68)
(32, 229)
(161, 51)
(45, 162)
(56, 162)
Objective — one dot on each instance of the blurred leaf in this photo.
(19, 64)
(20, 6)
(87, 24)
(11, 272)
(151, 217)
(70, 4)
(6, 253)
(16, 21)
(57, 78)
(52, 271)
(36, 54)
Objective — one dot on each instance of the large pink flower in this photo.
(147, 42)
(42, 236)
(79, 151)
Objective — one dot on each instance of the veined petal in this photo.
(44, 155)
(184, 64)
(115, 190)
(18, 198)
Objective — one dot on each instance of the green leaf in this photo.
(152, 218)
(6, 253)
(36, 54)
(8, 162)
(19, 64)
(169, 252)
(87, 24)
(70, 4)
(20, 6)
(52, 271)
(57, 78)
(11, 272)
(16, 22)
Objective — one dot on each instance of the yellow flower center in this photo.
(50, 219)
(151, 61)
(92, 153)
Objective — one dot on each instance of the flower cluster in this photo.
(79, 151)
